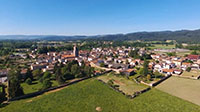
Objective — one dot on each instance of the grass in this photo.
(187, 89)
(87, 95)
(182, 53)
(36, 86)
(160, 46)
(192, 73)
(127, 86)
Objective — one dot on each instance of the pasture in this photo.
(186, 89)
(129, 87)
(192, 73)
(92, 96)
(160, 46)
(35, 86)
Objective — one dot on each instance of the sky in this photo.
(96, 17)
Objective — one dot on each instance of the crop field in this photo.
(129, 87)
(93, 96)
(186, 89)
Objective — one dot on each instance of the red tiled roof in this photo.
(168, 70)
(68, 56)
(193, 56)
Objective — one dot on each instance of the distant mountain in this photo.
(20, 37)
(40, 37)
(66, 38)
(189, 36)
(192, 36)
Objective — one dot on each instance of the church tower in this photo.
(75, 52)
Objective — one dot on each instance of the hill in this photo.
(188, 36)
(191, 36)
(86, 96)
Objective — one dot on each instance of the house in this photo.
(3, 79)
(133, 63)
(177, 62)
(177, 71)
(129, 72)
(193, 57)
(168, 71)
(38, 66)
(3, 75)
(195, 66)
(185, 65)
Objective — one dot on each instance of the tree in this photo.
(145, 67)
(134, 53)
(14, 87)
(75, 70)
(110, 82)
(37, 73)
(157, 74)
(29, 81)
(46, 84)
(47, 75)
(171, 54)
(148, 77)
(2, 94)
(188, 69)
(102, 65)
(29, 74)
(140, 71)
(88, 71)
(46, 81)
(194, 52)
(59, 77)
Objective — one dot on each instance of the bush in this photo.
(29, 81)
(110, 82)
(188, 69)
(46, 84)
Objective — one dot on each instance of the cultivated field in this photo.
(92, 95)
(129, 87)
(187, 89)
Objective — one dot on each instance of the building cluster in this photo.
(46, 62)
(173, 64)
(116, 59)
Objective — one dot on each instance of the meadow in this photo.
(160, 46)
(35, 86)
(192, 73)
(90, 95)
(128, 86)
(186, 89)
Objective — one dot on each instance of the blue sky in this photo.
(91, 17)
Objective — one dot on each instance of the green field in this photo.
(160, 46)
(36, 86)
(86, 96)
(127, 86)
(187, 89)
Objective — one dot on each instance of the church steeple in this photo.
(75, 52)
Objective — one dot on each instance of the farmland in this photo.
(86, 96)
(192, 73)
(160, 46)
(187, 89)
(127, 86)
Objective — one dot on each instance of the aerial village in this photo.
(117, 60)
